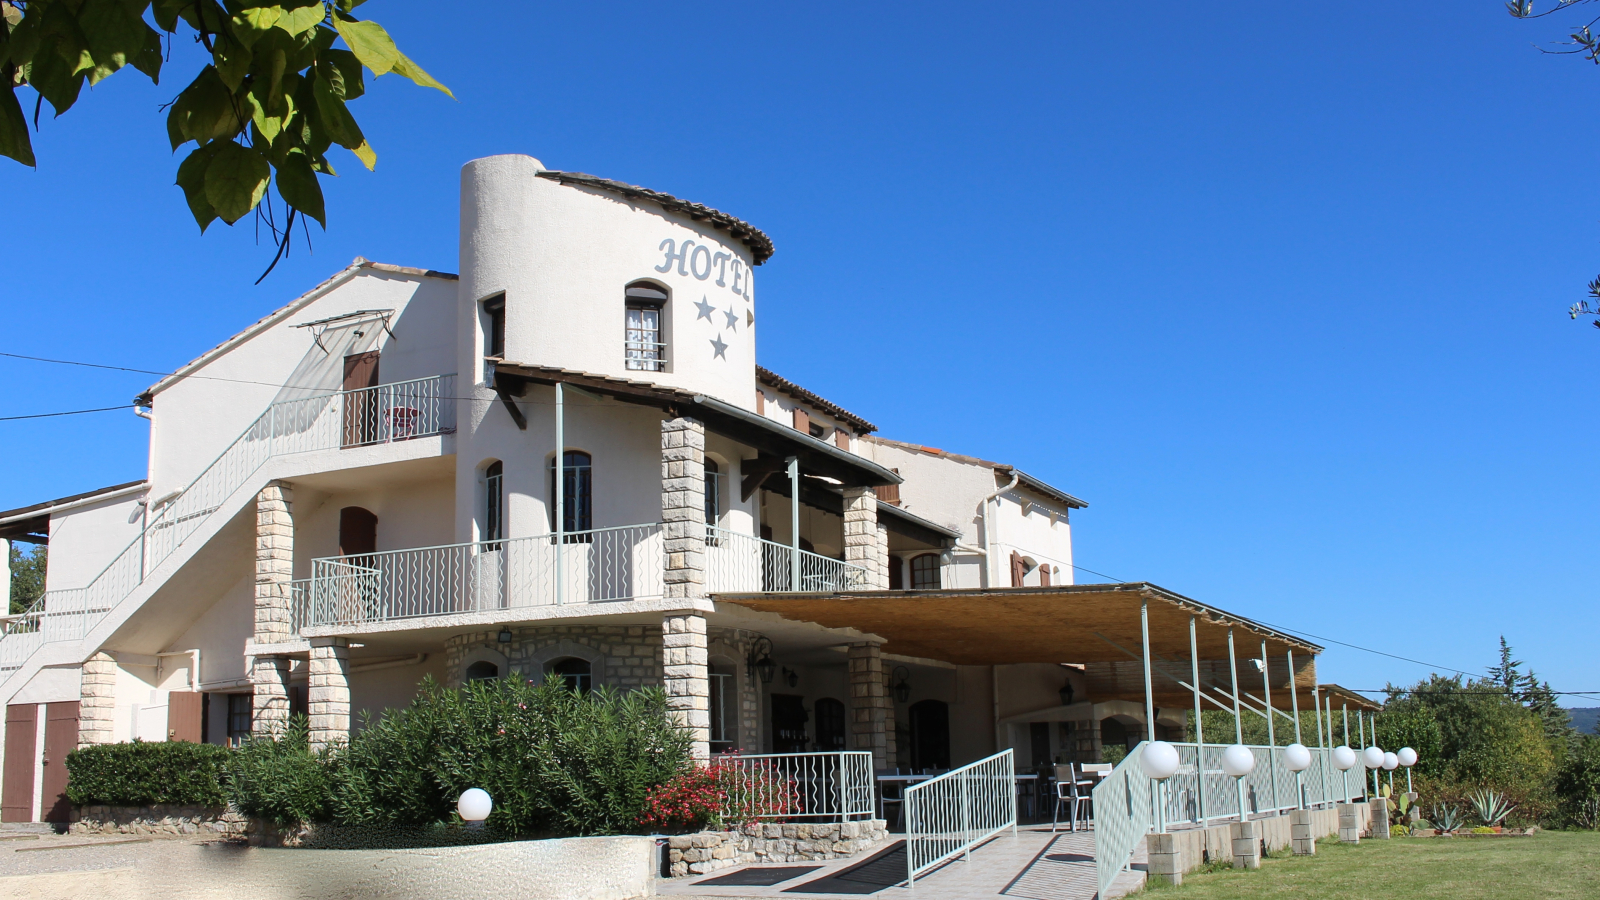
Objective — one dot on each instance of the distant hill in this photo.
(1585, 719)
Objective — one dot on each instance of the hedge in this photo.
(142, 773)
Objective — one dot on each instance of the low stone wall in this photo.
(1176, 853)
(708, 851)
(156, 819)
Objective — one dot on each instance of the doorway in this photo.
(22, 734)
(60, 738)
(361, 410)
(930, 735)
(788, 723)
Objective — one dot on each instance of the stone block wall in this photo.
(274, 561)
(683, 507)
(628, 656)
(98, 700)
(709, 851)
(156, 819)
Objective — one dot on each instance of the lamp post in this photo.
(474, 806)
(1159, 760)
(1297, 759)
(1407, 758)
(1391, 761)
(1372, 757)
(1238, 762)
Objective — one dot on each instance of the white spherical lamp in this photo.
(1344, 759)
(1296, 758)
(1391, 761)
(1238, 761)
(1159, 760)
(1373, 757)
(475, 805)
(1407, 756)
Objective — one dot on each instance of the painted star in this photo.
(733, 319)
(706, 310)
(718, 348)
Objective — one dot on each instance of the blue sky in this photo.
(1281, 292)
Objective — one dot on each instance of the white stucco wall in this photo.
(84, 540)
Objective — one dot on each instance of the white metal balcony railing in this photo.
(744, 563)
(1126, 801)
(386, 413)
(816, 787)
(949, 815)
(646, 356)
(597, 565)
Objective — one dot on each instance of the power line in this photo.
(70, 412)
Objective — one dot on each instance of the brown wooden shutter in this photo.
(1018, 569)
(361, 410)
(22, 734)
(889, 493)
(60, 738)
(802, 421)
(1044, 576)
(184, 712)
(841, 438)
(761, 402)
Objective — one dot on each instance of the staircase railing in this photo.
(386, 413)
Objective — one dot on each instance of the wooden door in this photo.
(60, 738)
(788, 724)
(22, 736)
(185, 710)
(361, 408)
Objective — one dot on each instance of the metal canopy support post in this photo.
(1238, 719)
(1344, 713)
(1272, 736)
(1199, 730)
(1150, 708)
(560, 464)
(793, 463)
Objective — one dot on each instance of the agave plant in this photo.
(1490, 806)
(1447, 819)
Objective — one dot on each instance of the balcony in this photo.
(738, 563)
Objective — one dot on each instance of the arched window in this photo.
(482, 670)
(644, 347)
(575, 672)
(830, 724)
(724, 708)
(713, 496)
(925, 572)
(577, 494)
(494, 510)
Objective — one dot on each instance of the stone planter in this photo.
(709, 851)
(156, 819)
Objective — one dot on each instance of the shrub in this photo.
(1483, 829)
(722, 794)
(1578, 784)
(282, 781)
(143, 773)
(690, 801)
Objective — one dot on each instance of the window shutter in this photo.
(889, 493)
(761, 402)
(802, 421)
(1017, 569)
(1044, 576)
(841, 438)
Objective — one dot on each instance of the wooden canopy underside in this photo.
(1097, 626)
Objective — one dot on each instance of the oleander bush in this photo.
(143, 773)
(282, 781)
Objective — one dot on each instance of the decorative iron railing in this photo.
(743, 563)
(386, 413)
(813, 787)
(597, 565)
(949, 815)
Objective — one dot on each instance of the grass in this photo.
(1554, 864)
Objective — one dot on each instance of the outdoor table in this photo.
(1030, 780)
(903, 781)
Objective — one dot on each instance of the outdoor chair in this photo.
(886, 799)
(1074, 792)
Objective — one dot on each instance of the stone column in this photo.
(1379, 817)
(871, 708)
(1246, 845)
(1301, 836)
(97, 702)
(861, 536)
(269, 705)
(274, 562)
(685, 669)
(328, 696)
(1350, 823)
(1165, 861)
(884, 560)
(683, 508)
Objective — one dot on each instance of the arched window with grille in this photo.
(644, 346)
(575, 673)
(925, 572)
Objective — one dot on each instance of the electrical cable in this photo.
(70, 412)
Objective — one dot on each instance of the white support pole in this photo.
(1199, 730)
(1150, 706)
(1344, 712)
(1238, 720)
(561, 487)
(794, 523)
(1272, 735)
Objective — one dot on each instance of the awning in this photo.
(1097, 625)
(1343, 696)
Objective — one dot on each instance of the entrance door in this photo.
(22, 737)
(60, 738)
(788, 724)
(185, 712)
(930, 735)
(361, 410)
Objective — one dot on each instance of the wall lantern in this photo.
(1066, 693)
(791, 677)
(504, 636)
(900, 679)
(759, 661)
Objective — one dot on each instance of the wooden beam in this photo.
(511, 407)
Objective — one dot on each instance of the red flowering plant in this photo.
(725, 793)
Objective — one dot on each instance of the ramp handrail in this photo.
(948, 815)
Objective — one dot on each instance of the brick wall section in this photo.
(687, 678)
(683, 507)
(269, 706)
(97, 702)
(274, 561)
(861, 536)
(328, 695)
(871, 709)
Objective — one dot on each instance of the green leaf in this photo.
(192, 178)
(297, 185)
(233, 62)
(251, 24)
(404, 66)
(149, 59)
(235, 180)
(369, 42)
(166, 13)
(367, 155)
(52, 77)
(210, 108)
(14, 128)
(340, 125)
(114, 35)
(350, 68)
(296, 21)
(24, 38)
(70, 44)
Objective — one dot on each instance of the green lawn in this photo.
(1556, 865)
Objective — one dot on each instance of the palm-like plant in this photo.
(1490, 806)
(1446, 819)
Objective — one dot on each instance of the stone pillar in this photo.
(1350, 823)
(871, 707)
(683, 509)
(1246, 845)
(274, 562)
(97, 702)
(328, 696)
(1165, 858)
(685, 669)
(1379, 818)
(861, 536)
(884, 560)
(269, 706)
(1301, 836)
